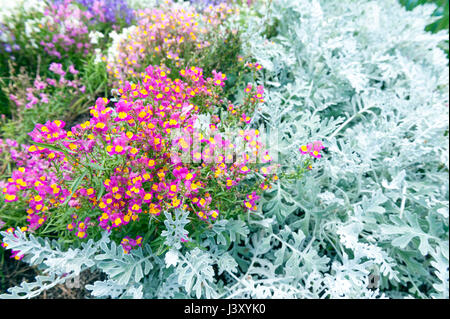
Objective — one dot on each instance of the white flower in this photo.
(9, 8)
(30, 27)
(113, 51)
(98, 56)
(34, 5)
(94, 36)
(3, 37)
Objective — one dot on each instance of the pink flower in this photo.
(313, 149)
(219, 78)
(72, 70)
(57, 69)
(305, 149)
(245, 118)
(39, 85)
(44, 98)
(51, 82)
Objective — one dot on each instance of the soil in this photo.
(13, 273)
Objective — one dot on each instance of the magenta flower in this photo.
(313, 149)
(219, 78)
(305, 149)
(128, 243)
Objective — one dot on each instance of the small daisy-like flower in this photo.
(305, 149)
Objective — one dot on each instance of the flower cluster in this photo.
(15, 23)
(252, 97)
(250, 201)
(7, 40)
(106, 10)
(207, 3)
(164, 35)
(129, 243)
(37, 171)
(254, 66)
(11, 151)
(36, 183)
(79, 226)
(313, 149)
(161, 159)
(41, 90)
(65, 28)
(216, 13)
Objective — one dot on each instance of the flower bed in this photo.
(225, 149)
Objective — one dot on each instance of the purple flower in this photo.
(207, 3)
(106, 10)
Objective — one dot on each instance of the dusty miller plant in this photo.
(369, 221)
(368, 80)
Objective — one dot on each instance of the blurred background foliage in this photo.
(441, 11)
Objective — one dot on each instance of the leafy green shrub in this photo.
(65, 95)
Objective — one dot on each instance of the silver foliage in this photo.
(366, 79)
